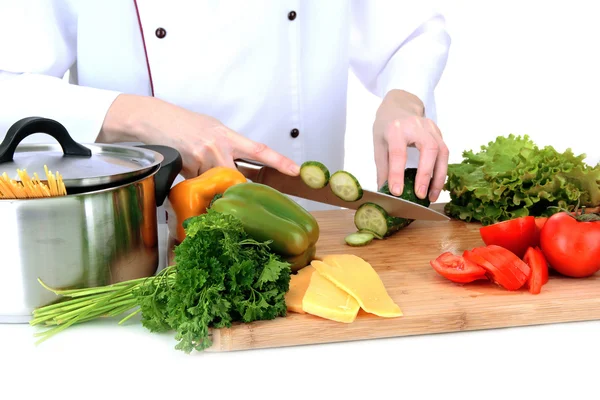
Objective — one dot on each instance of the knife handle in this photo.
(250, 169)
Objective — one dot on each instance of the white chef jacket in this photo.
(275, 71)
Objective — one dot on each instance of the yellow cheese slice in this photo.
(326, 300)
(358, 278)
(298, 285)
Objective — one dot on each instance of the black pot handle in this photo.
(169, 169)
(30, 125)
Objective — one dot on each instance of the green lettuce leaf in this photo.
(513, 177)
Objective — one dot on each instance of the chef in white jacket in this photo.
(218, 80)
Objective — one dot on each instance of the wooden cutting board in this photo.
(430, 303)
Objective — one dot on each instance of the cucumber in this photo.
(359, 239)
(345, 186)
(376, 235)
(314, 174)
(408, 193)
(373, 217)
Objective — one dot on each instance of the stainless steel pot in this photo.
(103, 231)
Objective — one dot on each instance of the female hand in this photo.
(400, 123)
(203, 141)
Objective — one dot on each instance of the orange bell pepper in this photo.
(192, 197)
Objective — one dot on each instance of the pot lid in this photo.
(80, 166)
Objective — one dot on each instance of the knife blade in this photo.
(294, 186)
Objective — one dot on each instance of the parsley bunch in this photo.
(221, 275)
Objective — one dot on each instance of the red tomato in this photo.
(512, 271)
(501, 256)
(516, 235)
(572, 246)
(539, 224)
(497, 271)
(539, 269)
(457, 269)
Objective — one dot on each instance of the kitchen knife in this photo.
(294, 186)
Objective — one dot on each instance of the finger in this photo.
(262, 153)
(428, 153)
(441, 164)
(439, 174)
(191, 166)
(381, 161)
(396, 143)
(210, 155)
(224, 159)
(187, 172)
(434, 130)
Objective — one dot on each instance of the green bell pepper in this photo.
(268, 214)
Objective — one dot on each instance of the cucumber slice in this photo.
(345, 186)
(314, 174)
(377, 236)
(372, 217)
(359, 239)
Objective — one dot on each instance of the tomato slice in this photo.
(500, 268)
(516, 235)
(497, 275)
(457, 269)
(502, 255)
(539, 269)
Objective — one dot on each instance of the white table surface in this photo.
(105, 361)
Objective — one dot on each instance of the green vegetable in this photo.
(512, 177)
(302, 260)
(267, 214)
(359, 238)
(221, 275)
(314, 174)
(215, 198)
(408, 193)
(375, 235)
(345, 186)
(372, 217)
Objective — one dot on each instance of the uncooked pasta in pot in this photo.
(28, 188)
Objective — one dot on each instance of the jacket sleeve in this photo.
(399, 44)
(41, 48)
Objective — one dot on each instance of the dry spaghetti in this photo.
(28, 188)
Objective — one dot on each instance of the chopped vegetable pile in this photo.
(512, 177)
(221, 275)
(520, 251)
(371, 220)
(495, 264)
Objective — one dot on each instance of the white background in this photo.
(515, 67)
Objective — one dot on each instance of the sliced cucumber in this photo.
(372, 217)
(377, 236)
(345, 186)
(359, 239)
(314, 174)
